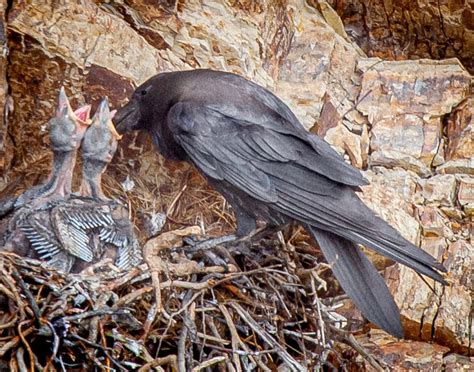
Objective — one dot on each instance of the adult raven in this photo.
(252, 149)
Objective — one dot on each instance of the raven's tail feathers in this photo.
(360, 280)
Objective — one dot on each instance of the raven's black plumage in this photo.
(253, 150)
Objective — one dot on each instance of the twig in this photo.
(170, 359)
(150, 319)
(289, 360)
(303, 337)
(353, 342)
(55, 346)
(209, 363)
(182, 349)
(10, 323)
(209, 244)
(94, 322)
(90, 314)
(30, 298)
(26, 344)
(234, 336)
(20, 358)
(105, 350)
(206, 337)
(14, 342)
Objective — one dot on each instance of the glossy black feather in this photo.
(360, 280)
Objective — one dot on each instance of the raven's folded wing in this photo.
(285, 172)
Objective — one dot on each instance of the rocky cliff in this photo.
(408, 124)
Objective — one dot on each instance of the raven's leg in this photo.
(246, 232)
(246, 224)
(207, 244)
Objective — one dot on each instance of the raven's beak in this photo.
(127, 117)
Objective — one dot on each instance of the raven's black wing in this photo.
(224, 95)
(284, 171)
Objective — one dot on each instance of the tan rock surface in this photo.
(412, 355)
(454, 331)
(404, 102)
(460, 139)
(416, 300)
(319, 62)
(110, 43)
(405, 356)
(440, 190)
(457, 166)
(432, 221)
(426, 314)
(466, 195)
(390, 195)
(346, 138)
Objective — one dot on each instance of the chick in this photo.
(98, 148)
(66, 130)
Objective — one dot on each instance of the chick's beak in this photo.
(83, 114)
(103, 116)
(64, 107)
(82, 119)
(102, 113)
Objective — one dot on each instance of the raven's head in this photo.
(148, 109)
(136, 114)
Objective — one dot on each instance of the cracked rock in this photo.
(456, 298)
(404, 101)
(432, 222)
(466, 191)
(440, 190)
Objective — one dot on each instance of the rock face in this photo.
(440, 190)
(5, 107)
(460, 139)
(412, 355)
(418, 29)
(408, 124)
(405, 102)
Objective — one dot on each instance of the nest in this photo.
(235, 307)
(178, 311)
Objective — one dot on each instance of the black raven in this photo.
(252, 149)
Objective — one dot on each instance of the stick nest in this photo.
(236, 308)
(175, 312)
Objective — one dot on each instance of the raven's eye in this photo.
(144, 92)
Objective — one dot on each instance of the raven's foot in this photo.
(220, 257)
